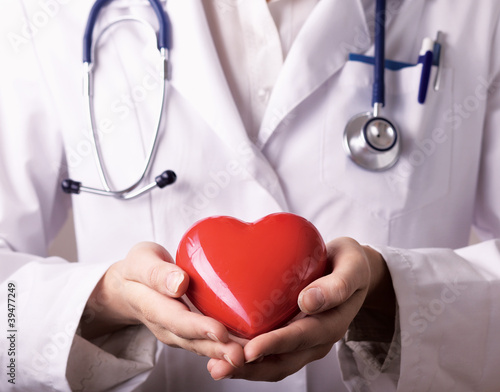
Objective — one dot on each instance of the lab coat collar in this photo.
(320, 50)
(323, 46)
(199, 77)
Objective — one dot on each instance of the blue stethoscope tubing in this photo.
(379, 67)
(163, 32)
(163, 43)
(370, 139)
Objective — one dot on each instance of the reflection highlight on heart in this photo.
(248, 275)
(213, 281)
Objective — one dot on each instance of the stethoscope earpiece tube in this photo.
(166, 178)
(164, 40)
(163, 43)
(371, 140)
(89, 29)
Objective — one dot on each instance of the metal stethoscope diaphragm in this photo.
(371, 140)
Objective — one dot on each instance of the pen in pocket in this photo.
(438, 59)
(425, 58)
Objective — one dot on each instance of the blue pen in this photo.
(425, 58)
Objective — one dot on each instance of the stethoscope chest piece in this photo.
(372, 142)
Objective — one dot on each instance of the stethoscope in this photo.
(371, 140)
(163, 40)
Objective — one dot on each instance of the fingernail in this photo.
(257, 357)
(223, 378)
(311, 300)
(174, 280)
(226, 357)
(213, 337)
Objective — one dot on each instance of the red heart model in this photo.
(248, 275)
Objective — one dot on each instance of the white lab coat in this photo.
(418, 214)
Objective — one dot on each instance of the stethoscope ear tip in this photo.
(166, 178)
(70, 186)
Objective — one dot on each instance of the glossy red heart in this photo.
(248, 275)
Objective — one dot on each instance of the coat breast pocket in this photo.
(422, 174)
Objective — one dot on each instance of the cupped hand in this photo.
(359, 277)
(146, 287)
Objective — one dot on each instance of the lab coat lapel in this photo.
(323, 46)
(199, 77)
(320, 50)
(404, 21)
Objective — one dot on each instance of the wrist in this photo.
(380, 296)
(105, 311)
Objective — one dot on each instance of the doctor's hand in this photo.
(146, 287)
(359, 278)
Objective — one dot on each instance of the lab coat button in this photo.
(263, 94)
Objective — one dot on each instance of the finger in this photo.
(211, 363)
(221, 373)
(150, 264)
(312, 331)
(272, 368)
(241, 341)
(327, 292)
(155, 309)
(297, 336)
(231, 353)
(350, 274)
(224, 370)
(174, 324)
(219, 369)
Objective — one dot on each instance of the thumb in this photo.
(350, 273)
(151, 264)
(324, 294)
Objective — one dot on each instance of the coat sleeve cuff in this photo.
(50, 295)
(369, 353)
(439, 292)
(104, 363)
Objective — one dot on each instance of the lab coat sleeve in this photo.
(107, 362)
(448, 318)
(446, 333)
(45, 295)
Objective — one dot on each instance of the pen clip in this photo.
(426, 58)
(438, 59)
